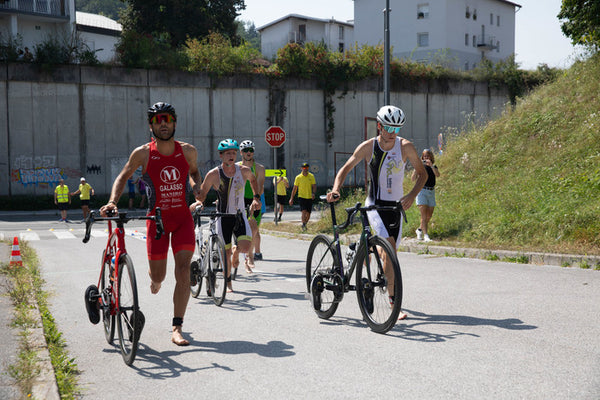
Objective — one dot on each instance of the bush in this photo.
(136, 50)
(9, 48)
(215, 55)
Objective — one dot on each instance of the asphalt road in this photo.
(476, 329)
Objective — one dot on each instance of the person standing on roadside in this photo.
(281, 184)
(62, 199)
(168, 166)
(306, 186)
(426, 197)
(386, 155)
(85, 192)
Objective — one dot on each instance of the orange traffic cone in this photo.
(15, 256)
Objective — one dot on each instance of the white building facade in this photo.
(34, 20)
(295, 28)
(458, 33)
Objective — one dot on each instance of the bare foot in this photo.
(250, 261)
(178, 338)
(248, 268)
(154, 287)
(402, 315)
(229, 287)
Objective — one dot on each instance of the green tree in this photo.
(580, 21)
(247, 31)
(108, 8)
(183, 19)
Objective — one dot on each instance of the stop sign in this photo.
(275, 136)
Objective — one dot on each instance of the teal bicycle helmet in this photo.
(228, 144)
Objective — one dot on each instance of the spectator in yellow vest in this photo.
(62, 199)
(85, 191)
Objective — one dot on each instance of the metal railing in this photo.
(59, 8)
(486, 42)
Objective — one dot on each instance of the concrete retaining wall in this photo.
(84, 121)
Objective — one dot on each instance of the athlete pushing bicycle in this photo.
(386, 155)
(229, 180)
(167, 167)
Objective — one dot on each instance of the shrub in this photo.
(136, 50)
(9, 47)
(215, 55)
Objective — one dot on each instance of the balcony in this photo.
(486, 42)
(56, 8)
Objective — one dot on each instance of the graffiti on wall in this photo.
(94, 169)
(37, 176)
(38, 170)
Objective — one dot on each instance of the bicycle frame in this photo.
(117, 235)
(363, 239)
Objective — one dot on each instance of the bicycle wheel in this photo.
(374, 299)
(217, 262)
(321, 266)
(130, 320)
(195, 278)
(108, 319)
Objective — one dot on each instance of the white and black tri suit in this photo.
(386, 173)
(231, 198)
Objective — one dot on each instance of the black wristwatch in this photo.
(257, 196)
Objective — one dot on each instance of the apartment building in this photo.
(36, 20)
(459, 33)
(295, 28)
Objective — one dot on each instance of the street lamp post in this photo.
(386, 52)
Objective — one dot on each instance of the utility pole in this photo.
(386, 53)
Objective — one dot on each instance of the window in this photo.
(467, 13)
(467, 66)
(498, 20)
(341, 32)
(474, 41)
(475, 15)
(423, 39)
(341, 47)
(498, 46)
(466, 39)
(423, 11)
(491, 19)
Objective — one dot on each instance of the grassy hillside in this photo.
(531, 178)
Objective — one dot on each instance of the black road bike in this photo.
(327, 279)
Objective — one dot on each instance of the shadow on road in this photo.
(163, 365)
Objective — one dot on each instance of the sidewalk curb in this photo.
(44, 385)
(411, 245)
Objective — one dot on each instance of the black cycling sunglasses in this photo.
(248, 150)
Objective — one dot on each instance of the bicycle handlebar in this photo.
(122, 218)
(352, 211)
(197, 214)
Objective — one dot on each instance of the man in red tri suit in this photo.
(167, 167)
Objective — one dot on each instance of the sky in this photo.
(538, 38)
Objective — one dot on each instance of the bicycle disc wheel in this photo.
(218, 266)
(106, 292)
(372, 284)
(321, 265)
(129, 317)
(195, 277)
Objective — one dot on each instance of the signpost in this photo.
(275, 137)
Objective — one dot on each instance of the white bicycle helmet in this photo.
(391, 116)
(247, 144)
